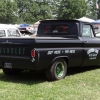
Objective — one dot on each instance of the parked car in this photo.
(26, 29)
(9, 31)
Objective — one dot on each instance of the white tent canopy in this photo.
(85, 19)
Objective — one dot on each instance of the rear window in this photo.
(56, 29)
(68, 28)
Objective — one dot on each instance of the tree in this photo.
(92, 11)
(72, 9)
(8, 11)
(31, 11)
(97, 11)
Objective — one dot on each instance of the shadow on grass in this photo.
(25, 77)
(37, 77)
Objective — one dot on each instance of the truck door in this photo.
(91, 44)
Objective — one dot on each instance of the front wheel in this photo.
(57, 70)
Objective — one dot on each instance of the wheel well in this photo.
(65, 58)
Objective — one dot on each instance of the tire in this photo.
(8, 71)
(57, 70)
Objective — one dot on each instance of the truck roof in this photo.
(68, 20)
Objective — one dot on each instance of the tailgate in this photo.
(16, 48)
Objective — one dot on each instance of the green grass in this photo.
(79, 84)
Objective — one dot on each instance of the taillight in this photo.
(33, 53)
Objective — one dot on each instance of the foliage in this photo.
(69, 9)
(30, 11)
(98, 10)
(33, 10)
(8, 12)
(93, 11)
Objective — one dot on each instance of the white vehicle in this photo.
(9, 31)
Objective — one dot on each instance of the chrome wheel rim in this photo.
(59, 69)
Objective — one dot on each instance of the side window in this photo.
(8, 32)
(2, 33)
(13, 33)
(87, 31)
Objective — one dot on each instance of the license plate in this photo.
(7, 65)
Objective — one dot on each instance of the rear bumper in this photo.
(19, 64)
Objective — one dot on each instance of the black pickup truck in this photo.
(59, 44)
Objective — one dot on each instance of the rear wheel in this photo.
(8, 71)
(57, 70)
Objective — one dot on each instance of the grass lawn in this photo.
(79, 84)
